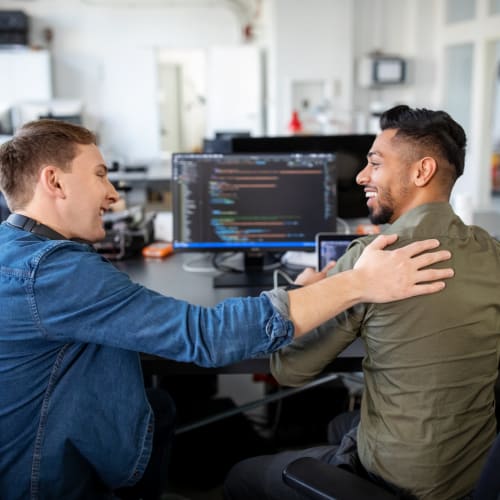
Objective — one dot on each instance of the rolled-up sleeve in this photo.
(302, 360)
(108, 308)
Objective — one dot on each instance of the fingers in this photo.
(412, 249)
(309, 276)
(329, 266)
(427, 288)
(425, 275)
(415, 250)
(426, 280)
(427, 259)
(418, 247)
(411, 269)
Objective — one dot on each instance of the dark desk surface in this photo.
(169, 278)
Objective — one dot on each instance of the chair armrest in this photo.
(322, 481)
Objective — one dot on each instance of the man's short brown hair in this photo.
(35, 145)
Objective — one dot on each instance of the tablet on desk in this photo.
(331, 246)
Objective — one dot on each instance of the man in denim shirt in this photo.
(75, 421)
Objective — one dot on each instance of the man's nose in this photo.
(363, 176)
(113, 193)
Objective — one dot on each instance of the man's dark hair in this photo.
(35, 145)
(429, 132)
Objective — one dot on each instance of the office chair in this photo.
(321, 481)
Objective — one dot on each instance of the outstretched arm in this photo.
(370, 281)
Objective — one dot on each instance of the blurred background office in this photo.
(154, 77)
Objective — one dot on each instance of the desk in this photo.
(168, 277)
(154, 173)
(138, 184)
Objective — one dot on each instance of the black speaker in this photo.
(13, 27)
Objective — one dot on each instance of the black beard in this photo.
(383, 216)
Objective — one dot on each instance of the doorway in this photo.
(181, 99)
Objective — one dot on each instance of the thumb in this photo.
(383, 240)
(329, 266)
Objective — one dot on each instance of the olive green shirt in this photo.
(427, 412)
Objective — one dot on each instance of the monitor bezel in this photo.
(252, 248)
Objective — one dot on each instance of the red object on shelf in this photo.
(295, 125)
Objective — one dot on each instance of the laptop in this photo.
(331, 246)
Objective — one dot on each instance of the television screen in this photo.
(389, 70)
(255, 203)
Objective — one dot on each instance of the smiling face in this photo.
(88, 193)
(388, 179)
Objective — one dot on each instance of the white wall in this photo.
(310, 41)
(106, 57)
(404, 28)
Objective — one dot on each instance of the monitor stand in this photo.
(244, 280)
(255, 273)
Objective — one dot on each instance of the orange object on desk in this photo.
(159, 250)
(367, 229)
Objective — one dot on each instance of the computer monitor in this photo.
(222, 141)
(259, 204)
(350, 157)
(74, 119)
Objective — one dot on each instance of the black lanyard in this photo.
(31, 225)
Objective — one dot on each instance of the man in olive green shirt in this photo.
(428, 408)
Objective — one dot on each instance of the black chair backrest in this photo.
(313, 478)
(321, 481)
(488, 486)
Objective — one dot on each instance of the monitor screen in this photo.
(350, 157)
(254, 203)
(331, 246)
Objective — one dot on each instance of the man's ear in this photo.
(426, 168)
(50, 179)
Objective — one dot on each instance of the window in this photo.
(460, 10)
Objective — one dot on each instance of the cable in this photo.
(274, 265)
(277, 273)
(265, 400)
(347, 228)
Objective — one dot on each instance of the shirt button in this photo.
(150, 428)
(136, 473)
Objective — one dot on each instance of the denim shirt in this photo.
(74, 418)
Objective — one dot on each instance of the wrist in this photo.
(354, 283)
